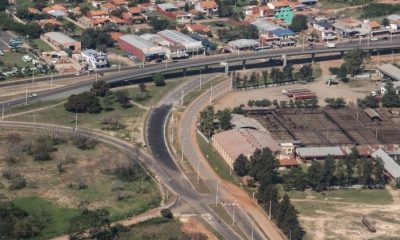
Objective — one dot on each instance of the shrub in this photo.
(83, 143)
(82, 103)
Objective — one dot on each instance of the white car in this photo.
(374, 39)
(26, 58)
(33, 95)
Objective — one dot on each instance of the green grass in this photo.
(14, 58)
(58, 115)
(24, 4)
(363, 196)
(152, 94)
(332, 4)
(41, 45)
(216, 161)
(57, 216)
(157, 229)
(311, 208)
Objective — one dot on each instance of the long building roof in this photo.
(60, 37)
(180, 38)
(146, 46)
(390, 70)
(318, 152)
(390, 165)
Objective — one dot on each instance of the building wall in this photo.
(131, 49)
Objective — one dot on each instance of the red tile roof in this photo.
(208, 4)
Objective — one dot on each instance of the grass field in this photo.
(11, 59)
(152, 94)
(55, 216)
(58, 192)
(157, 229)
(205, 87)
(363, 196)
(215, 160)
(41, 45)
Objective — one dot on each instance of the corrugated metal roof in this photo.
(146, 46)
(180, 38)
(167, 6)
(59, 37)
(265, 26)
(319, 152)
(390, 165)
(390, 70)
(243, 43)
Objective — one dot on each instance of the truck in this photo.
(303, 96)
(330, 45)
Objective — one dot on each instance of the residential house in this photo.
(56, 7)
(199, 28)
(134, 15)
(51, 21)
(325, 30)
(369, 27)
(277, 5)
(172, 11)
(208, 8)
(119, 3)
(62, 41)
(108, 7)
(56, 57)
(95, 59)
(117, 21)
(263, 11)
(33, 11)
(96, 14)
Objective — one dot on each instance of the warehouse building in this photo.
(230, 144)
(392, 168)
(141, 48)
(242, 44)
(175, 37)
(62, 41)
(389, 70)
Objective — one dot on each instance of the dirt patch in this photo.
(192, 226)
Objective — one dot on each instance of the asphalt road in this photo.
(148, 70)
(4, 39)
(178, 183)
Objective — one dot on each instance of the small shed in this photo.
(372, 114)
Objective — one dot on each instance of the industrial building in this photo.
(242, 44)
(230, 144)
(389, 70)
(141, 48)
(62, 41)
(175, 37)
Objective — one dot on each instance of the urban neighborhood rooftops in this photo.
(167, 7)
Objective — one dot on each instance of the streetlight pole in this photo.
(303, 43)
(252, 230)
(211, 93)
(26, 96)
(51, 80)
(200, 79)
(76, 120)
(270, 208)
(233, 215)
(33, 77)
(216, 194)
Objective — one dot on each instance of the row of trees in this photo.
(389, 99)
(335, 102)
(353, 64)
(210, 121)
(276, 76)
(233, 33)
(262, 166)
(348, 171)
(7, 23)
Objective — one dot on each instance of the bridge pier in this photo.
(226, 65)
(284, 59)
(184, 71)
(341, 54)
(244, 64)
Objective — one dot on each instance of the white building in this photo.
(95, 59)
(176, 37)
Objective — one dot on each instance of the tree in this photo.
(207, 121)
(315, 176)
(83, 142)
(354, 60)
(224, 118)
(41, 149)
(94, 38)
(369, 101)
(365, 167)
(159, 24)
(268, 196)
(142, 87)
(329, 171)
(342, 73)
(287, 73)
(83, 102)
(158, 80)
(263, 166)
(241, 166)
(390, 98)
(95, 220)
(378, 171)
(100, 88)
(385, 22)
(264, 77)
(122, 98)
(288, 220)
(295, 179)
(299, 23)
(276, 75)
(305, 73)
(69, 27)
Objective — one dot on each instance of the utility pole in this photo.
(233, 215)
(76, 120)
(270, 208)
(231, 82)
(182, 95)
(216, 194)
(303, 43)
(2, 113)
(34, 118)
(200, 79)
(198, 170)
(26, 96)
(33, 77)
(51, 80)
(132, 134)
(211, 93)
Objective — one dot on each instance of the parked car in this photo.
(33, 95)
(374, 39)
(26, 58)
